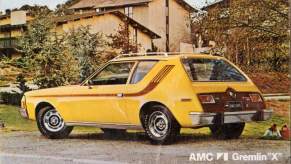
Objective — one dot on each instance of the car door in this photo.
(102, 102)
(137, 88)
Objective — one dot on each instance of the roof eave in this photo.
(65, 19)
(112, 5)
(144, 29)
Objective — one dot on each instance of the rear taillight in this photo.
(256, 97)
(206, 99)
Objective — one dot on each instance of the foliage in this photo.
(122, 40)
(11, 98)
(63, 9)
(44, 53)
(4, 61)
(34, 10)
(251, 32)
(87, 47)
(22, 83)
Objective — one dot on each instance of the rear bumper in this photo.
(23, 113)
(201, 119)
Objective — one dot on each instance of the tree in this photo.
(35, 10)
(45, 54)
(252, 32)
(63, 9)
(88, 48)
(122, 41)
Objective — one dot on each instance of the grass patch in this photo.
(257, 129)
(14, 122)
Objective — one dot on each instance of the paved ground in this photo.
(27, 148)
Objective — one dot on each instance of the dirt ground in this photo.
(282, 108)
(271, 82)
(26, 148)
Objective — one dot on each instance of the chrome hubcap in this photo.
(53, 121)
(158, 124)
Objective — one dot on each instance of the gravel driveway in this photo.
(31, 147)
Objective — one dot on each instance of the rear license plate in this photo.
(234, 105)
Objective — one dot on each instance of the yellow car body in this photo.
(119, 106)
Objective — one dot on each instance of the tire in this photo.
(227, 131)
(51, 125)
(113, 132)
(160, 126)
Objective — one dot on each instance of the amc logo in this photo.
(198, 157)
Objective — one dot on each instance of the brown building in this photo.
(170, 19)
(12, 25)
(108, 22)
(161, 24)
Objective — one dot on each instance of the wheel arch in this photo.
(147, 105)
(41, 105)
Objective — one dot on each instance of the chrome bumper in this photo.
(200, 119)
(23, 113)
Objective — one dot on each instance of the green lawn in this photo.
(14, 122)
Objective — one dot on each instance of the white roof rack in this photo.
(165, 54)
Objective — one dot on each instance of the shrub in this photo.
(11, 98)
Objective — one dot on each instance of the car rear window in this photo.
(211, 70)
(142, 70)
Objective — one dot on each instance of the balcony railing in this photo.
(8, 42)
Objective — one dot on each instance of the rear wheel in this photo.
(51, 124)
(227, 131)
(160, 126)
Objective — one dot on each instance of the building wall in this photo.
(106, 24)
(140, 14)
(16, 18)
(157, 22)
(180, 29)
(153, 16)
(16, 33)
(141, 38)
(5, 21)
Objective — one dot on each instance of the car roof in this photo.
(163, 56)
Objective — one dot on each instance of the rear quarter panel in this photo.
(170, 91)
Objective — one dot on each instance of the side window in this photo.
(113, 74)
(142, 69)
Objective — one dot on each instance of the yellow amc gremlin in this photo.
(159, 93)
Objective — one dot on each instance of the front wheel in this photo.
(227, 131)
(160, 126)
(51, 124)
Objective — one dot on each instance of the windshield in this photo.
(211, 70)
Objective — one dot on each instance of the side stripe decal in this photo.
(152, 85)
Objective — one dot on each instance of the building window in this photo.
(100, 10)
(128, 11)
(135, 35)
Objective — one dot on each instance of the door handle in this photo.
(119, 95)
